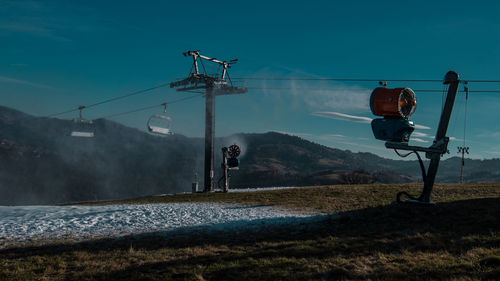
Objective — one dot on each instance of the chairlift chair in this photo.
(160, 123)
(82, 128)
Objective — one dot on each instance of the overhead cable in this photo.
(152, 106)
(111, 99)
(338, 79)
(330, 89)
(355, 79)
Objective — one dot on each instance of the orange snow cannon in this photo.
(395, 105)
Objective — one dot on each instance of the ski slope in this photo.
(32, 223)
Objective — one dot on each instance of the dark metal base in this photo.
(411, 201)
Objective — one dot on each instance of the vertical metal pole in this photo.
(462, 168)
(194, 185)
(463, 150)
(209, 138)
(224, 70)
(195, 62)
(225, 169)
(453, 80)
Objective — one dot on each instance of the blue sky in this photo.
(59, 54)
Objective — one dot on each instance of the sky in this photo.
(56, 55)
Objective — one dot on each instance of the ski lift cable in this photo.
(111, 99)
(286, 79)
(61, 113)
(152, 106)
(337, 79)
(331, 88)
(128, 95)
(356, 79)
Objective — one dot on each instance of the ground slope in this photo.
(370, 239)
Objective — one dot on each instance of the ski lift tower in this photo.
(212, 85)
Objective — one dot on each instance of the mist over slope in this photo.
(40, 163)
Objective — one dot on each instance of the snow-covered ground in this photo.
(31, 223)
(261, 189)
(252, 189)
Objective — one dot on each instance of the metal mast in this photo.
(439, 146)
(463, 150)
(214, 85)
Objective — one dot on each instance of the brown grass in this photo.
(373, 239)
(325, 199)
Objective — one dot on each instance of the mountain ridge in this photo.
(40, 163)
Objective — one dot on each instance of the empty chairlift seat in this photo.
(81, 127)
(160, 123)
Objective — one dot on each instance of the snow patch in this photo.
(31, 223)
(255, 189)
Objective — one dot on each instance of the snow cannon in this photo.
(233, 151)
(229, 162)
(395, 105)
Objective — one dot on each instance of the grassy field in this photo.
(371, 239)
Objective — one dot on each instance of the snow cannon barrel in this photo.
(395, 105)
(397, 102)
(233, 151)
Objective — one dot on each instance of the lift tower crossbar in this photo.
(213, 85)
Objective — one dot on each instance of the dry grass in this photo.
(325, 199)
(457, 239)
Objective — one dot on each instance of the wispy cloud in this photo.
(33, 28)
(4, 79)
(292, 133)
(311, 136)
(355, 118)
(335, 135)
(492, 152)
(422, 135)
(45, 19)
(489, 135)
(331, 96)
(422, 127)
(314, 94)
(343, 116)
(418, 140)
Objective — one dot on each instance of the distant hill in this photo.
(280, 159)
(40, 163)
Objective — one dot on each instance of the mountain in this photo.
(280, 159)
(40, 163)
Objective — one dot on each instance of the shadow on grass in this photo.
(386, 229)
